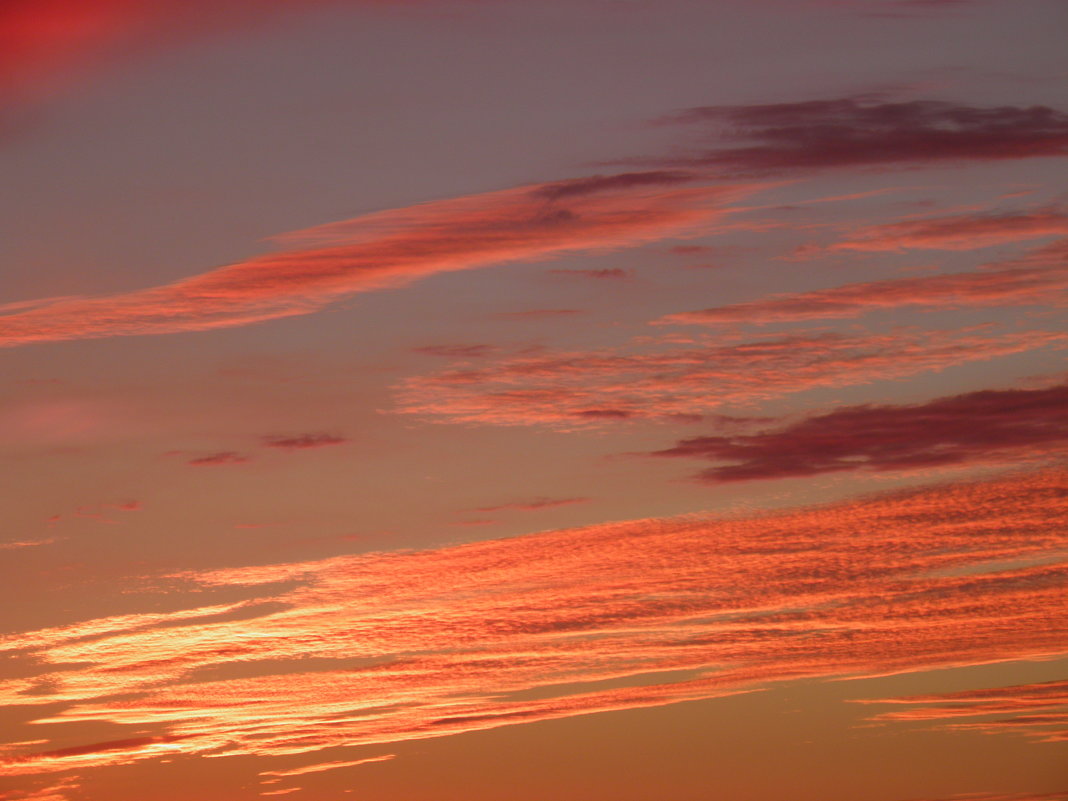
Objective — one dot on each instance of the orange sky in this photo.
(601, 401)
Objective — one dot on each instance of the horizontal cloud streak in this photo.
(862, 132)
(1039, 278)
(979, 427)
(422, 644)
(666, 380)
(385, 249)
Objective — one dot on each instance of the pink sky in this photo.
(601, 400)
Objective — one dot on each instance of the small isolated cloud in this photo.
(866, 132)
(220, 458)
(611, 274)
(532, 505)
(978, 427)
(456, 351)
(304, 441)
(536, 314)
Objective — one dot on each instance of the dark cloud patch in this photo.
(610, 274)
(304, 441)
(577, 187)
(971, 428)
(861, 131)
(532, 505)
(220, 458)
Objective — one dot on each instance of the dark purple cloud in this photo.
(971, 428)
(860, 131)
(303, 441)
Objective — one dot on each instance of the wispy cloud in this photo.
(665, 379)
(1038, 711)
(218, 458)
(1038, 278)
(422, 644)
(386, 249)
(868, 132)
(532, 505)
(978, 427)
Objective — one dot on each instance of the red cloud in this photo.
(960, 232)
(532, 505)
(1039, 278)
(993, 425)
(663, 380)
(857, 132)
(222, 457)
(304, 441)
(612, 274)
(381, 250)
(1017, 705)
(431, 643)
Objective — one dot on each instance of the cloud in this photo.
(978, 427)
(1038, 278)
(1038, 711)
(958, 232)
(220, 458)
(672, 380)
(865, 132)
(532, 505)
(456, 351)
(418, 644)
(318, 768)
(382, 250)
(536, 314)
(303, 441)
(613, 273)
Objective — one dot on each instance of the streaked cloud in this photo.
(867, 132)
(978, 427)
(532, 505)
(384, 647)
(1037, 278)
(387, 249)
(683, 378)
(1038, 711)
(304, 441)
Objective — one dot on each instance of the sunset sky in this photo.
(489, 400)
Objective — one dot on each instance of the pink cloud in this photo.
(671, 380)
(382, 250)
(979, 427)
(1038, 278)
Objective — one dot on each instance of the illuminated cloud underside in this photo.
(431, 643)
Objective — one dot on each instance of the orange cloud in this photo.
(411, 645)
(1016, 707)
(1038, 278)
(666, 380)
(381, 250)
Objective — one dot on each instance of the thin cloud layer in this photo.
(383, 250)
(669, 381)
(979, 427)
(956, 232)
(865, 132)
(1037, 711)
(423, 644)
(1038, 278)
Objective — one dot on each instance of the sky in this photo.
(485, 400)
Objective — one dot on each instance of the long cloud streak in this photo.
(389, 249)
(641, 613)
